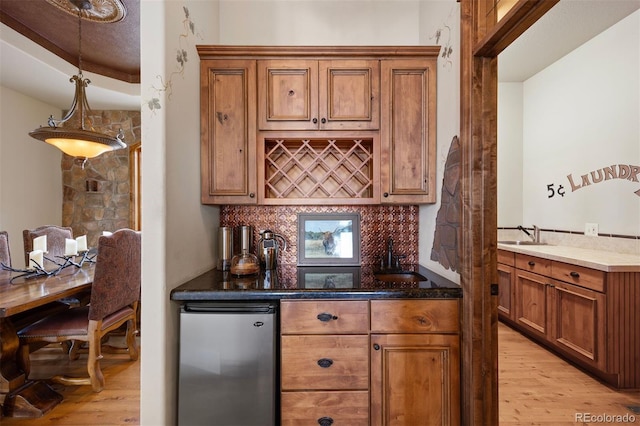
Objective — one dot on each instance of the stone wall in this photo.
(97, 197)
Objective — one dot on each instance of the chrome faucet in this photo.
(536, 233)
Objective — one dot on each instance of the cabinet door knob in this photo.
(325, 421)
(532, 264)
(324, 120)
(385, 195)
(574, 274)
(325, 362)
(315, 121)
(252, 195)
(376, 346)
(326, 317)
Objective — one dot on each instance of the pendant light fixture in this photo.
(83, 142)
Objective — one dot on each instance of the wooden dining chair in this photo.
(56, 236)
(5, 253)
(115, 295)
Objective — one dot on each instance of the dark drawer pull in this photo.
(325, 421)
(532, 263)
(325, 317)
(574, 274)
(376, 346)
(325, 362)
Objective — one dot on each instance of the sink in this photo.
(400, 276)
(522, 243)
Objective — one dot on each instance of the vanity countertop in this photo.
(318, 282)
(595, 259)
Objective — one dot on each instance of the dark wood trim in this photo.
(262, 52)
(519, 18)
(478, 139)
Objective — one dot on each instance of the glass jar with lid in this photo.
(244, 264)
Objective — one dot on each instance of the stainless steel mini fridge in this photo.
(227, 373)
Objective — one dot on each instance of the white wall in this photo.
(178, 232)
(30, 178)
(579, 115)
(510, 155)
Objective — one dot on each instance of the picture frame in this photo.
(327, 278)
(328, 239)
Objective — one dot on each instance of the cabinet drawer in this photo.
(415, 316)
(325, 362)
(578, 275)
(534, 264)
(324, 317)
(506, 257)
(339, 408)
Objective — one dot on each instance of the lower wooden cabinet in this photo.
(579, 312)
(415, 379)
(378, 362)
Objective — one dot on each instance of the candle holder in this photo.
(88, 256)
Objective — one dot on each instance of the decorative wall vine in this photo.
(181, 61)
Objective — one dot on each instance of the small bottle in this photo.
(244, 264)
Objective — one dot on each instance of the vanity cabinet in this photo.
(376, 362)
(227, 120)
(299, 94)
(408, 131)
(582, 313)
(290, 125)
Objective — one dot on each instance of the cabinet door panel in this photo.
(408, 133)
(324, 317)
(324, 362)
(414, 379)
(531, 297)
(349, 95)
(506, 289)
(577, 321)
(343, 408)
(288, 93)
(228, 146)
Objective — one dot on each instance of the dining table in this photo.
(25, 298)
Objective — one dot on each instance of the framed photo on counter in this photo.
(329, 239)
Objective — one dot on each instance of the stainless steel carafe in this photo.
(269, 247)
(225, 247)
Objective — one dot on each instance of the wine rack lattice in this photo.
(318, 168)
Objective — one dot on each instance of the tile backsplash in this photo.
(377, 224)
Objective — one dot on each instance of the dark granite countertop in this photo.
(317, 282)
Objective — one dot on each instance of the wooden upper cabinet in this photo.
(300, 94)
(293, 125)
(228, 131)
(408, 131)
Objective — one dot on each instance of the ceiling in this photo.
(111, 52)
(569, 24)
(39, 48)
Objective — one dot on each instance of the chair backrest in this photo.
(116, 280)
(56, 236)
(5, 254)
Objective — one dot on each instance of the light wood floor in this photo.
(535, 388)
(117, 404)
